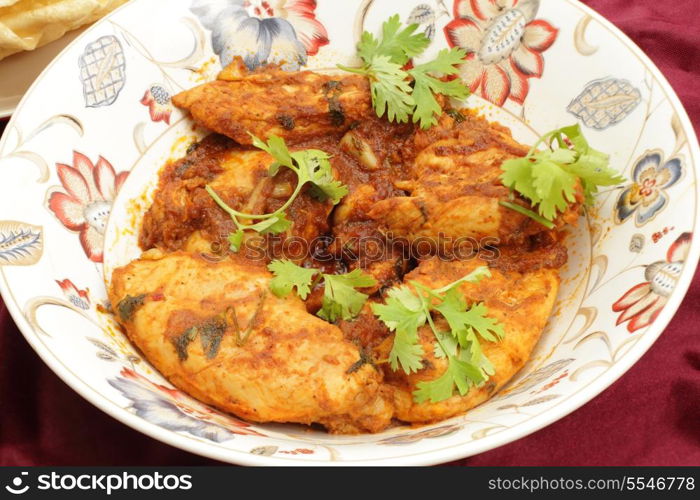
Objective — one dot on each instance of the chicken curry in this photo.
(315, 261)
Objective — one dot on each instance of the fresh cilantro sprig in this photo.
(312, 166)
(549, 178)
(406, 310)
(425, 86)
(341, 300)
(399, 92)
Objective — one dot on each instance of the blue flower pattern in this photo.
(257, 41)
(158, 409)
(647, 196)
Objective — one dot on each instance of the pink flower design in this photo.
(301, 14)
(643, 303)
(87, 202)
(79, 298)
(504, 44)
(158, 101)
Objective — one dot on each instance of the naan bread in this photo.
(29, 24)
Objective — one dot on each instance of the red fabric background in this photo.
(651, 416)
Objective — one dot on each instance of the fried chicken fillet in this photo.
(295, 106)
(183, 216)
(521, 302)
(215, 331)
(456, 187)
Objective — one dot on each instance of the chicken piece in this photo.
(456, 189)
(360, 244)
(182, 207)
(293, 105)
(521, 302)
(369, 160)
(216, 332)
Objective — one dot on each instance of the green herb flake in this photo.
(128, 305)
(182, 342)
(210, 335)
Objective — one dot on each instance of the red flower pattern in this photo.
(86, 204)
(643, 303)
(504, 44)
(158, 101)
(79, 298)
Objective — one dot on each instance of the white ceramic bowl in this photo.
(102, 109)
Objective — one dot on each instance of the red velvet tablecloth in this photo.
(651, 416)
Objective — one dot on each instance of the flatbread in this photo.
(29, 24)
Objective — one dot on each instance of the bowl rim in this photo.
(432, 457)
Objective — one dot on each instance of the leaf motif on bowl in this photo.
(102, 71)
(408, 438)
(533, 402)
(536, 377)
(104, 352)
(541, 400)
(20, 244)
(604, 103)
(424, 16)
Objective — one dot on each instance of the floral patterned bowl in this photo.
(80, 156)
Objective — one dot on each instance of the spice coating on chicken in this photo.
(295, 106)
(215, 331)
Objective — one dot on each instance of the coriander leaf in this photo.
(288, 276)
(452, 309)
(555, 187)
(404, 314)
(593, 178)
(575, 135)
(368, 47)
(487, 327)
(211, 332)
(549, 178)
(399, 45)
(460, 374)
(315, 167)
(426, 86)
(236, 240)
(280, 225)
(273, 225)
(183, 341)
(341, 300)
(517, 175)
(277, 148)
(406, 352)
(446, 346)
(446, 63)
(128, 305)
(406, 311)
(465, 321)
(310, 166)
(391, 91)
